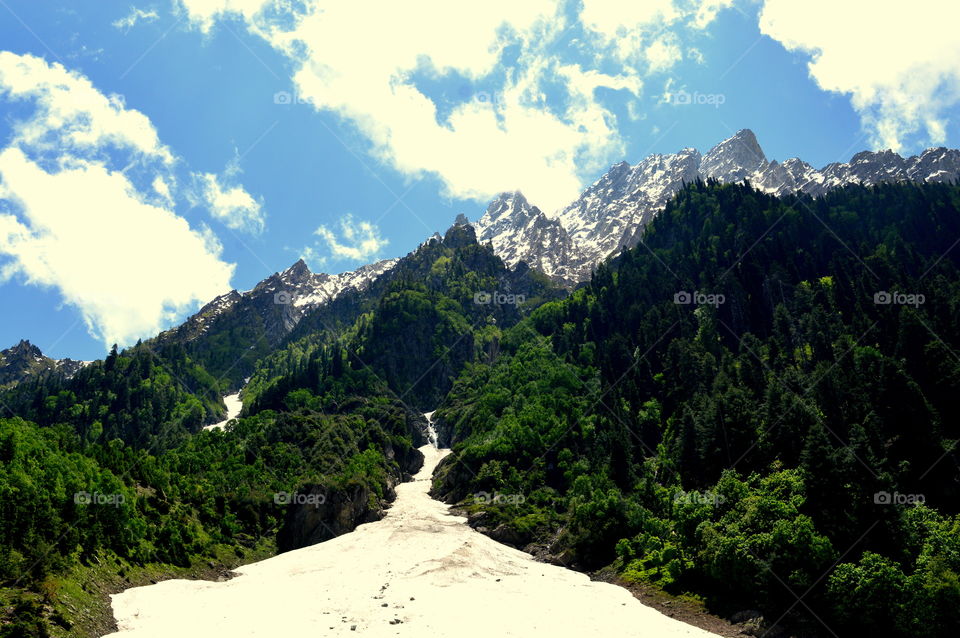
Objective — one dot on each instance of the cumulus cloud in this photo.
(628, 26)
(71, 115)
(86, 194)
(358, 241)
(232, 204)
(129, 266)
(643, 35)
(136, 15)
(205, 12)
(898, 63)
(365, 70)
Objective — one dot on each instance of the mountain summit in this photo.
(237, 328)
(25, 360)
(612, 212)
(735, 158)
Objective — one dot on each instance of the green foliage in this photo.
(146, 397)
(736, 449)
(65, 500)
(415, 328)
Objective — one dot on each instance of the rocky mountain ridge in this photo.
(288, 295)
(612, 212)
(25, 360)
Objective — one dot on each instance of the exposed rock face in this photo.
(318, 513)
(612, 212)
(25, 360)
(521, 232)
(280, 300)
(606, 215)
(734, 159)
(236, 329)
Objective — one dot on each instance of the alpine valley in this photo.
(725, 383)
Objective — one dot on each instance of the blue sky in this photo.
(349, 133)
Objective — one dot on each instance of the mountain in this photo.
(789, 421)
(614, 210)
(229, 334)
(25, 360)
(414, 327)
(281, 299)
(797, 426)
(521, 232)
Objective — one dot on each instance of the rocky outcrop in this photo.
(317, 513)
(566, 245)
(25, 360)
(231, 333)
(521, 233)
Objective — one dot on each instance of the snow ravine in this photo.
(234, 405)
(419, 572)
(431, 430)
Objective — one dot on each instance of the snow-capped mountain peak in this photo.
(296, 273)
(735, 158)
(281, 299)
(520, 231)
(25, 360)
(612, 212)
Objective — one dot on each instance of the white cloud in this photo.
(897, 61)
(162, 188)
(72, 115)
(358, 241)
(136, 15)
(663, 53)
(88, 190)
(361, 60)
(361, 68)
(205, 12)
(619, 18)
(131, 267)
(232, 204)
(705, 11)
(584, 82)
(644, 35)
